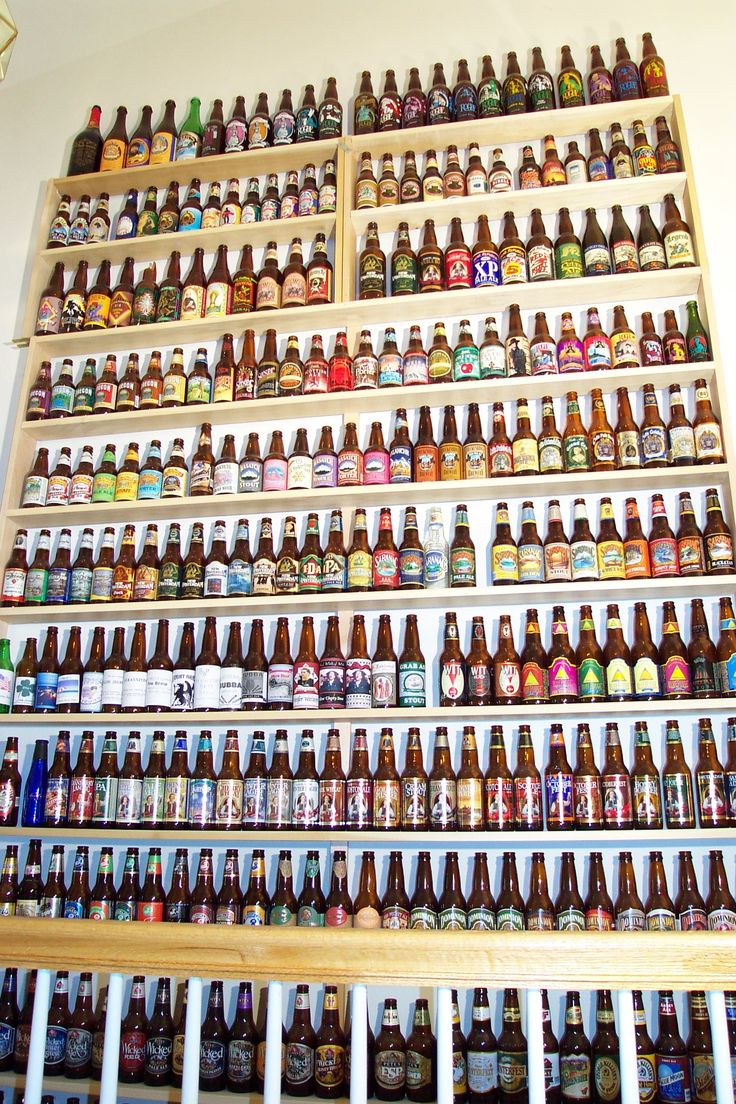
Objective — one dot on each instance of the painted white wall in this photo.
(66, 59)
(70, 56)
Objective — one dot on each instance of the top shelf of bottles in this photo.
(258, 162)
(255, 162)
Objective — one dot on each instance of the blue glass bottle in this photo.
(34, 796)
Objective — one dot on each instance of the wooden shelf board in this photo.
(577, 197)
(566, 840)
(351, 403)
(403, 308)
(562, 122)
(159, 246)
(557, 960)
(384, 494)
(482, 597)
(226, 165)
(481, 715)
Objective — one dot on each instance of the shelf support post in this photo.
(444, 1045)
(535, 1043)
(627, 1044)
(359, 1044)
(37, 1048)
(192, 1032)
(274, 1021)
(111, 1050)
(721, 1051)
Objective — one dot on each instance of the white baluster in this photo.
(111, 1051)
(37, 1049)
(192, 1032)
(444, 1045)
(721, 1051)
(535, 1045)
(358, 1044)
(627, 1048)
(274, 1020)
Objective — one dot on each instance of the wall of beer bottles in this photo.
(481, 504)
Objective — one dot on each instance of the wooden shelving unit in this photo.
(347, 227)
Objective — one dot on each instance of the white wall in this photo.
(66, 59)
(69, 56)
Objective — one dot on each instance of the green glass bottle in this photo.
(698, 342)
(189, 143)
(7, 673)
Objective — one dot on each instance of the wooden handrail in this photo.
(554, 960)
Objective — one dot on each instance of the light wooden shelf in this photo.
(480, 597)
(159, 246)
(481, 715)
(258, 162)
(554, 960)
(352, 403)
(384, 494)
(671, 283)
(577, 197)
(669, 837)
(562, 123)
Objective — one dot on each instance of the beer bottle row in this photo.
(167, 142)
(514, 95)
(92, 153)
(449, 909)
(513, 261)
(223, 207)
(278, 797)
(486, 1069)
(198, 679)
(599, 448)
(152, 576)
(271, 375)
(384, 189)
(291, 374)
(137, 301)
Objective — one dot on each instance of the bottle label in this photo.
(678, 247)
(587, 800)
(55, 1048)
(575, 1076)
(202, 793)
(563, 679)
(646, 678)
(708, 441)
(663, 553)
(528, 802)
(513, 264)
(559, 793)
(558, 562)
(46, 683)
(278, 802)
(597, 257)
(660, 920)
(512, 1072)
(676, 677)
(383, 683)
(630, 920)
(653, 443)
(618, 679)
(305, 802)
(722, 920)
(67, 690)
(584, 560)
(673, 1078)
(541, 261)
(412, 684)
(504, 563)
(423, 918)
(386, 804)
(254, 802)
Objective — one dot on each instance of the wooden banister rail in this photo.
(554, 960)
